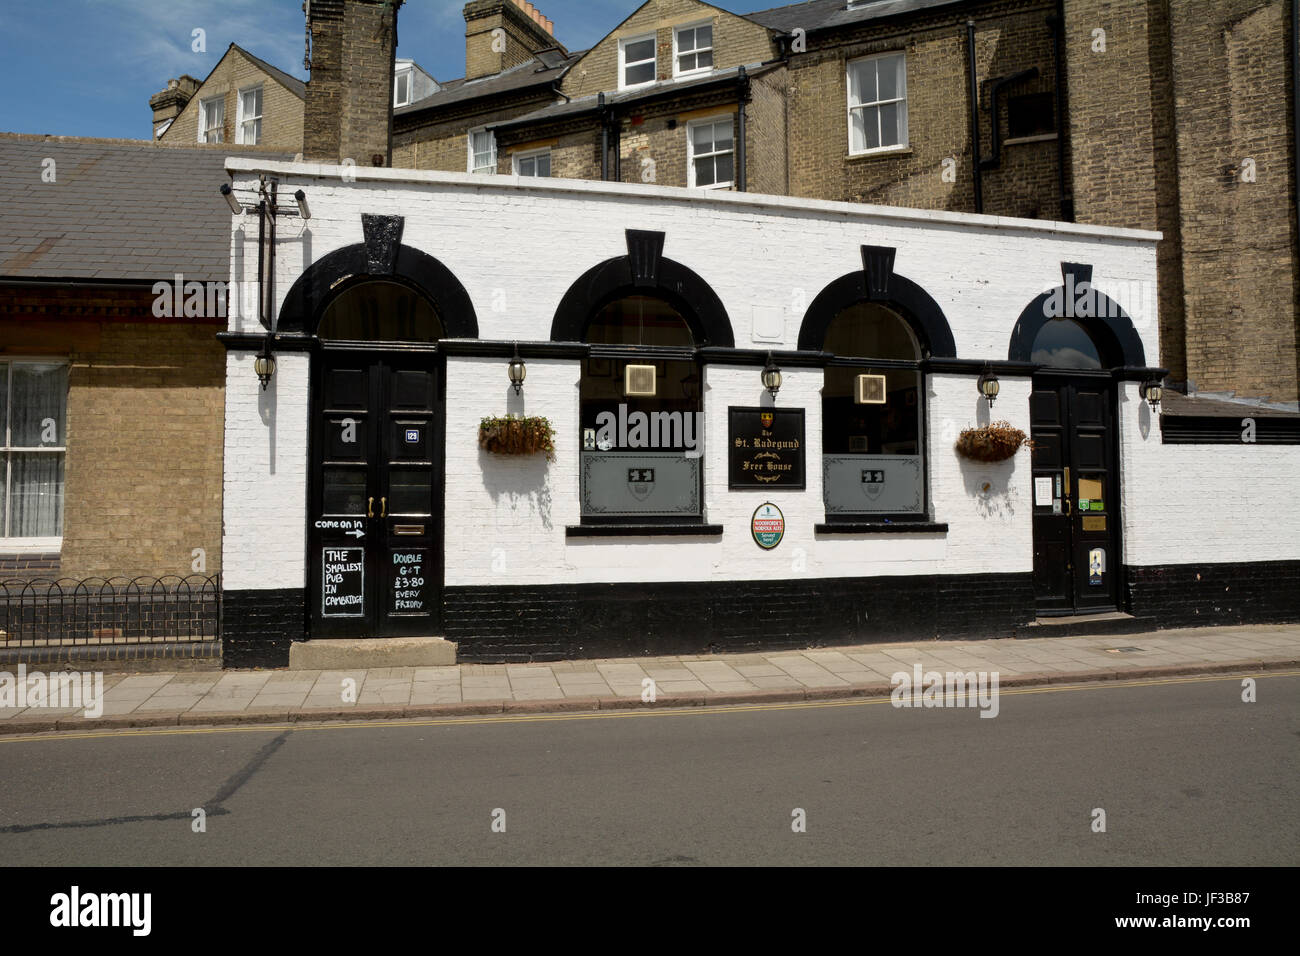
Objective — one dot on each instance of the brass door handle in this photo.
(383, 507)
(370, 507)
(1069, 495)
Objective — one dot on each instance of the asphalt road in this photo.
(1186, 772)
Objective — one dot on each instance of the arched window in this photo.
(379, 310)
(873, 404)
(1064, 343)
(639, 414)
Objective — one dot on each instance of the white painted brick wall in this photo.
(264, 496)
(517, 247)
(1185, 503)
(522, 243)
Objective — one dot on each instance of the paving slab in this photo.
(160, 699)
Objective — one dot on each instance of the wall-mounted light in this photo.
(989, 386)
(518, 371)
(264, 364)
(771, 377)
(1152, 391)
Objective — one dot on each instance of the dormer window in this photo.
(693, 49)
(636, 62)
(402, 88)
(248, 130)
(212, 118)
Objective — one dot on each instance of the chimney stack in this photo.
(168, 104)
(500, 34)
(349, 109)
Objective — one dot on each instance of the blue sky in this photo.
(88, 67)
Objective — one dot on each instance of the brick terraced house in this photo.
(1110, 112)
(111, 387)
(244, 100)
(1166, 116)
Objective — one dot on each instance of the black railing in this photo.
(144, 610)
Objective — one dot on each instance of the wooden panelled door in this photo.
(375, 541)
(1076, 494)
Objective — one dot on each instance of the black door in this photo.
(375, 560)
(1076, 494)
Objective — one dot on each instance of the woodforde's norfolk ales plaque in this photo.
(765, 448)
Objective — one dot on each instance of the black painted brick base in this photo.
(257, 627)
(1190, 595)
(565, 622)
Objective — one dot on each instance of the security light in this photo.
(229, 194)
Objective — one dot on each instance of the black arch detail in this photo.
(673, 282)
(904, 296)
(330, 275)
(1110, 326)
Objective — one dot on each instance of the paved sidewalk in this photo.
(162, 699)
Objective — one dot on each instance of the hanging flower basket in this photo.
(996, 442)
(515, 435)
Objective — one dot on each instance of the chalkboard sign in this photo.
(343, 587)
(765, 448)
(410, 590)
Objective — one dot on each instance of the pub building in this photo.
(755, 403)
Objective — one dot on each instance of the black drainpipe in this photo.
(1057, 24)
(272, 206)
(616, 128)
(742, 94)
(604, 138)
(1295, 98)
(974, 116)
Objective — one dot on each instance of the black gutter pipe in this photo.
(604, 139)
(59, 282)
(261, 256)
(975, 115)
(1295, 100)
(742, 94)
(1057, 24)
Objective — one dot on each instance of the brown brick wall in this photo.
(350, 96)
(143, 468)
(520, 38)
(282, 110)
(736, 42)
(1009, 38)
(443, 144)
(1232, 98)
(765, 116)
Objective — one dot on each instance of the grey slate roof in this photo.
(586, 104)
(537, 72)
(1175, 403)
(825, 14)
(116, 211)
